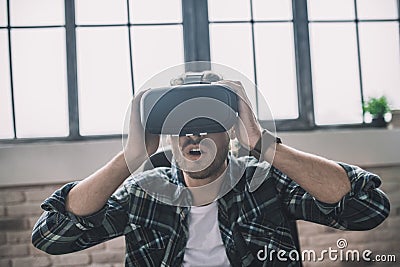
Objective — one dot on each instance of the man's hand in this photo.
(92, 193)
(140, 144)
(247, 129)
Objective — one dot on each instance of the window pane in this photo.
(379, 44)
(103, 79)
(155, 11)
(331, 9)
(231, 45)
(272, 9)
(229, 10)
(6, 123)
(38, 12)
(101, 11)
(377, 9)
(276, 71)
(154, 49)
(335, 73)
(40, 86)
(3, 12)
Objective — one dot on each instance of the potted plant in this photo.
(377, 107)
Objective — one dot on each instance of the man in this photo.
(215, 230)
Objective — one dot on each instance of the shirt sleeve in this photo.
(58, 231)
(363, 208)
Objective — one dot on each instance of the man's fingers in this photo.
(236, 86)
(136, 101)
(138, 97)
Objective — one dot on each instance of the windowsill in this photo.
(60, 162)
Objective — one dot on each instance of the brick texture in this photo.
(23, 209)
(71, 259)
(5, 262)
(3, 238)
(108, 256)
(16, 250)
(11, 196)
(19, 237)
(31, 261)
(7, 224)
(116, 244)
(20, 209)
(39, 194)
(2, 211)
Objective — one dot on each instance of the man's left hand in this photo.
(247, 129)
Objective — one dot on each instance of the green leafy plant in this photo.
(377, 107)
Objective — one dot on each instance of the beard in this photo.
(202, 172)
(215, 167)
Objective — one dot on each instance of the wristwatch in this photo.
(266, 140)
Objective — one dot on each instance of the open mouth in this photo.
(195, 152)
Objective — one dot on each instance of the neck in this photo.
(206, 190)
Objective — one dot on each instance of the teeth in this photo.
(195, 150)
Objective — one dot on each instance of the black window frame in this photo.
(195, 23)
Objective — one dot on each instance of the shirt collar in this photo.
(234, 173)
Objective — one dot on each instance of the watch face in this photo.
(189, 109)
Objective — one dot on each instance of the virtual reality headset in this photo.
(189, 109)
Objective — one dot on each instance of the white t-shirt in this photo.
(204, 246)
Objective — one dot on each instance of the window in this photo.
(111, 40)
(74, 65)
(315, 61)
(256, 38)
(69, 68)
(33, 60)
(355, 56)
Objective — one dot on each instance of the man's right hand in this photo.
(140, 144)
(91, 194)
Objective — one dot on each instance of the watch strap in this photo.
(266, 140)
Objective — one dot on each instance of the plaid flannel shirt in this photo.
(156, 233)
